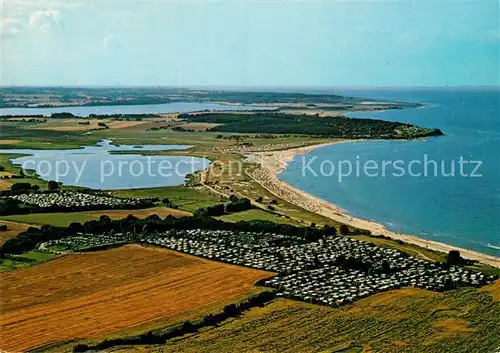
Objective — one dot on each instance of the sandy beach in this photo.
(274, 162)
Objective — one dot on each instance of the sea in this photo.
(445, 189)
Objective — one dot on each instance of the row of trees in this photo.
(21, 188)
(28, 239)
(161, 337)
(235, 204)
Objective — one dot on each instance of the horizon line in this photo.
(243, 86)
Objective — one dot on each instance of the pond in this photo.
(97, 167)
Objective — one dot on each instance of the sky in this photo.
(250, 43)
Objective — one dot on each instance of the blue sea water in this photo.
(458, 210)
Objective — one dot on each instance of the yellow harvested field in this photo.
(449, 327)
(140, 213)
(198, 126)
(169, 116)
(13, 229)
(75, 124)
(125, 124)
(9, 142)
(94, 294)
(4, 184)
(493, 290)
(67, 125)
(6, 174)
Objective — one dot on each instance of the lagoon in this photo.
(83, 111)
(98, 167)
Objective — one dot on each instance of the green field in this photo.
(410, 249)
(56, 219)
(29, 137)
(62, 219)
(12, 169)
(41, 139)
(31, 258)
(187, 199)
(256, 214)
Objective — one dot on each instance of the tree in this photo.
(153, 218)
(386, 267)
(9, 206)
(63, 115)
(147, 228)
(53, 185)
(2, 168)
(454, 258)
(104, 219)
(20, 187)
(317, 262)
(188, 327)
(344, 229)
(81, 348)
(329, 230)
(231, 310)
(341, 261)
(238, 205)
(75, 227)
(209, 320)
(353, 263)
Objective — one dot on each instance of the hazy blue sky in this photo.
(250, 43)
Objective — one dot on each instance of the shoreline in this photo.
(273, 162)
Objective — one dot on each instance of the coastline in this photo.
(272, 163)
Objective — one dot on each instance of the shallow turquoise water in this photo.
(458, 210)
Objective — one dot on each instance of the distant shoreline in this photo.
(124, 104)
(272, 163)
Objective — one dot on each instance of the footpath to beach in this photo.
(273, 162)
